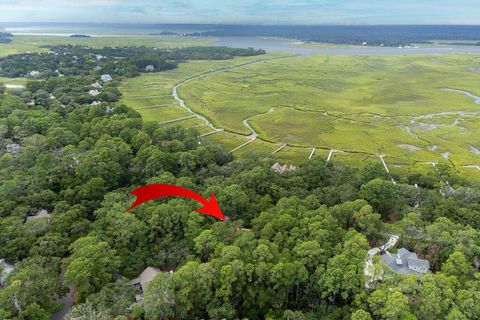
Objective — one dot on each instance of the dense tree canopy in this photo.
(74, 61)
(293, 248)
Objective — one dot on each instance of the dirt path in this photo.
(177, 120)
(242, 145)
(279, 149)
(330, 154)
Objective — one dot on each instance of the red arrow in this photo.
(154, 191)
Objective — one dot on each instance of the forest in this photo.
(293, 246)
(68, 60)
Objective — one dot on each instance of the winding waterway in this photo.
(181, 102)
(476, 99)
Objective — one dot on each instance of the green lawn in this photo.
(13, 81)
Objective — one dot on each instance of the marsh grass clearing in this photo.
(370, 105)
(363, 106)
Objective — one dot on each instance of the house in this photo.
(106, 77)
(13, 148)
(94, 92)
(41, 214)
(278, 168)
(144, 278)
(149, 68)
(33, 74)
(5, 270)
(406, 262)
(97, 85)
(142, 281)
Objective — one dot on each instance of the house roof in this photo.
(278, 168)
(418, 264)
(106, 77)
(13, 148)
(145, 277)
(405, 262)
(39, 215)
(97, 85)
(94, 92)
(7, 269)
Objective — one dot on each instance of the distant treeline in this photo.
(5, 37)
(464, 43)
(355, 35)
(165, 33)
(80, 36)
(71, 60)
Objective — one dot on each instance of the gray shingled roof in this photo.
(41, 214)
(406, 262)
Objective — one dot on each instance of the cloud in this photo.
(243, 11)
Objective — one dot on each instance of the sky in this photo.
(244, 11)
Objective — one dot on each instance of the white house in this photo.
(278, 168)
(97, 85)
(106, 77)
(33, 74)
(94, 92)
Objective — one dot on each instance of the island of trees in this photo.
(80, 36)
(294, 244)
(5, 37)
